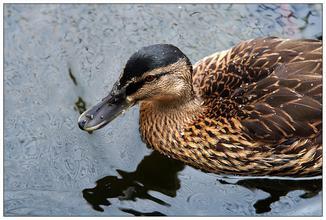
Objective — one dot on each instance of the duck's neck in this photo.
(186, 104)
(162, 122)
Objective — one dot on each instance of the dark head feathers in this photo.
(149, 58)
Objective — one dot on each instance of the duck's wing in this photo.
(250, 61)
(286, 104)
(273, 86)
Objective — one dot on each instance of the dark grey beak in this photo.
(104, 112)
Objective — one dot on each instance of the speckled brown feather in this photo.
(258, 111)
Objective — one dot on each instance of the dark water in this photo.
(60, 59)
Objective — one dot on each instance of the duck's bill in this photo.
(104, 112)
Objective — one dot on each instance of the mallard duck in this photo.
(255, 109)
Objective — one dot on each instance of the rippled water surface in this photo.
(60, 59)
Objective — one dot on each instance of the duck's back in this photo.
(263, 77)
(270, 89)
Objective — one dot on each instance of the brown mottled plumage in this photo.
(262, 102)
(255, 109)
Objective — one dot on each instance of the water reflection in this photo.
(159, 173)
(155, 172)
(277, 188)
(137, 213)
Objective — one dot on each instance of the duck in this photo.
(252, 110)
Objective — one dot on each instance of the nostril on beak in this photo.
(81, 124)
(90, 116)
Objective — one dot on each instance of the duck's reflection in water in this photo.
(159, 173)
(277, 188)
(155, 172)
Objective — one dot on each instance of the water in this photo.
(61, 59)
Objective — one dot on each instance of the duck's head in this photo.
(158, 73)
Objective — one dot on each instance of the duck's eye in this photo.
(150, 78)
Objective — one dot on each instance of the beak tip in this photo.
(81, 124)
